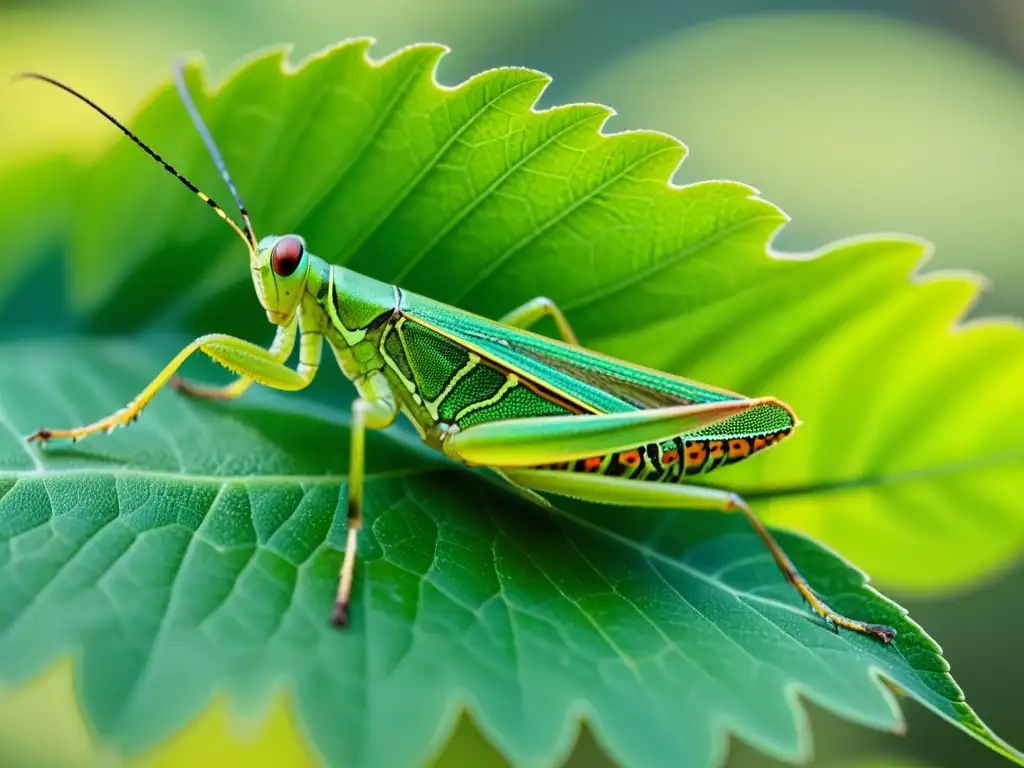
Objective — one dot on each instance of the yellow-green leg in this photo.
(241, 357)
(280, 349)
(617, 490)
(537, 440)
(532, 311)
(514, 446)
(375, 408)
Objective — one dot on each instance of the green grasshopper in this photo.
(548, 416)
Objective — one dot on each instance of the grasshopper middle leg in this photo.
(375, 408)
(529, 313)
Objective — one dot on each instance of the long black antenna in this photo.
(211, 145)
(246, 236)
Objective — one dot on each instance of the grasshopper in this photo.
(549, 416)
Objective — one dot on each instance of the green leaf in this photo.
(472, 197)
(197, 552)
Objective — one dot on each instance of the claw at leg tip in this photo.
(41, 436)
(886, 634)
(339, 616)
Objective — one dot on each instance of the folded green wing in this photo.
(594, 382)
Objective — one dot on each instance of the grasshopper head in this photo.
(279, 267)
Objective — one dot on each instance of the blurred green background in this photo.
(855, 117)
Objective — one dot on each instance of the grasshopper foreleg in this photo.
(242, 357)
(280, 350)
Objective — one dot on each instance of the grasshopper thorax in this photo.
(280, 268)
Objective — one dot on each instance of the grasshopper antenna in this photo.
(246, 235)
(211, 146)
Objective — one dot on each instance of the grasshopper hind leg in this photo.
(617, 490)
(818, 605)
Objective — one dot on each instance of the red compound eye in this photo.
(285, 257)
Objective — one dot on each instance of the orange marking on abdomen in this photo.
(630, 458)
(696, 454)
(739, 448)
(592, 464)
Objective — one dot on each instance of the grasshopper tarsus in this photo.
(884, 633)
(122, 418)
(41, 436)
(339, 616)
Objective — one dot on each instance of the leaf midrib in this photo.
(327, 479)
(887, 478)
(204, 479)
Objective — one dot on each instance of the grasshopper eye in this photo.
(285, 257)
